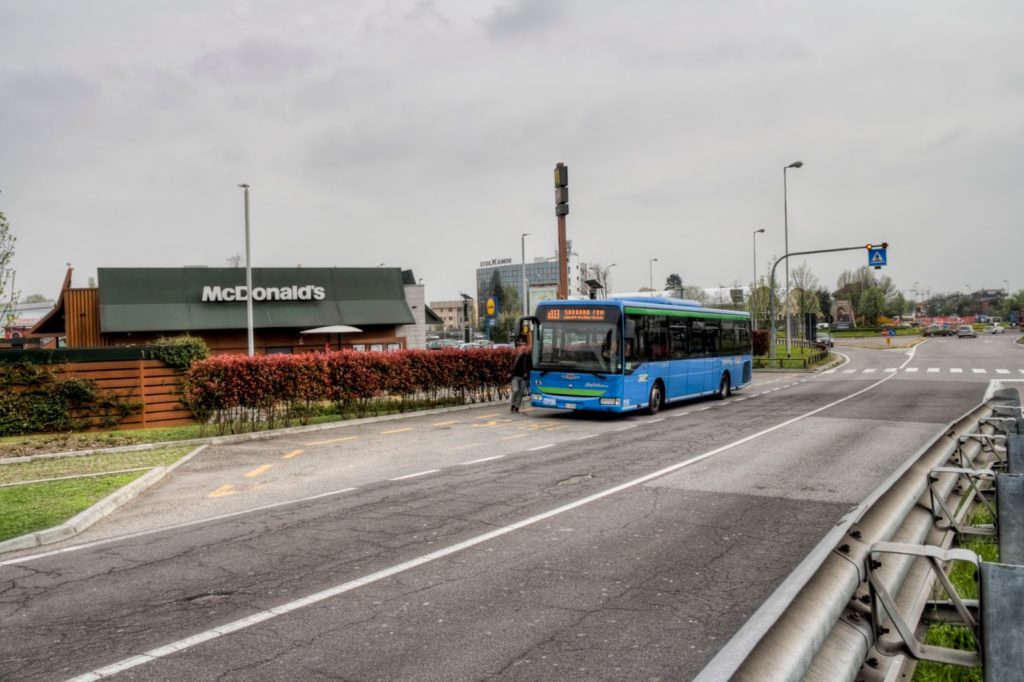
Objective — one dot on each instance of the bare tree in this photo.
(235, 261)
(803, 298)
(602, 274)
(8, 294)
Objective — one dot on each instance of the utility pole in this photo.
(248, 277)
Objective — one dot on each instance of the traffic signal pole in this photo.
(562, 210)
(771, 284)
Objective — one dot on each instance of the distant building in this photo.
(20, 318)
(541, 275)
(451, 314)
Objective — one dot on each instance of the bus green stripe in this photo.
(577, 392)
(681, 313)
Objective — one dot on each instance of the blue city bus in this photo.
(635, 352)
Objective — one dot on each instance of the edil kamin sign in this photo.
(308, 292)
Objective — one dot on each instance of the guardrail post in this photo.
(1010, 504)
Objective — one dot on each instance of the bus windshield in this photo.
(585, 339)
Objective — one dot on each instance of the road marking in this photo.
(483, 459)
(448, 423)
(488, 416)
(464, 447)
(259, 470)
(333, 440)
(316, 597)
(293, 453)
(1002, 371)
(655, 421)
(518, 435)
(541, 447)
(933, 370)
(402, 430)
(911, 369)
(956, 370)
(418, 473)
(891, 369)
(178, 526)
(593, 435)
(849, 371)
(738, 400)
(683, 414)
(829, 371)
(624, 428)
(978, 370)
(870, 370)
(223, 491)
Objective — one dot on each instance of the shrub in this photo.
(762, 341)
(181, 351)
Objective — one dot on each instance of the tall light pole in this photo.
(650, 274)
(785, 223)
(522, 244)
(248, 276)
(607, 279)
(754, 285)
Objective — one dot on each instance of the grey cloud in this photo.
(522, 17)
(256, 60)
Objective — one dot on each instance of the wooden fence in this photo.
(149, 382)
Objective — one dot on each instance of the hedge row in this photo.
(237, 392)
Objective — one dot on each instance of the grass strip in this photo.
(38, 506)
(26, 472)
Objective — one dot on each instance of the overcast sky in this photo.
(422, 134)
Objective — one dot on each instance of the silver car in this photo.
(966, 331)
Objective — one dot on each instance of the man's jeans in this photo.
(519, 388)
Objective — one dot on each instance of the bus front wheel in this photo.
(655, 399)
(725, 388)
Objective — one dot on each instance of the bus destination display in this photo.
(582, 314)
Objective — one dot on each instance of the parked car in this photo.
(994, 329)
(966, 331)
(938, 330)
(825, 339)
(470, 345)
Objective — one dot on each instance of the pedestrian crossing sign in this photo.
(876, 256)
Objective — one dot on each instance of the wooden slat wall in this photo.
(150, 382)
(82, 318)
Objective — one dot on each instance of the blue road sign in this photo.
(876, 256)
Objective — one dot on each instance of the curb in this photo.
(88, 517)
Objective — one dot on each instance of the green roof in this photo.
(171, 299)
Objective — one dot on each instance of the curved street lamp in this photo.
(785, 222)
(650, 274)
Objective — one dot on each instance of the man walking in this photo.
(521, 377)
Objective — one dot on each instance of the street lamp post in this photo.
(650, 274)
(785, 222)
(248, 277)
(522, 244)
(754, 285)
(607, 279)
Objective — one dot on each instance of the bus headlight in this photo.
(609, 401)
(535, 396)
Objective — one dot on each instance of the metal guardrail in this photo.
(818, 623)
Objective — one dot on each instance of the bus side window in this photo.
(657, 334)
(679, 339)
(697, 338)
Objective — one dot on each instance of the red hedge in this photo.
(266, 387)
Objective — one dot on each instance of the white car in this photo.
(994, 329)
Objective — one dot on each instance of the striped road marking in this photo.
(978, 370)
(418, 473)
(333, 440)
(223, 491)
(402, 430)
(293, 453)
(1002, 371)
(448, 423)
(933, 370)
(482, 459)
(259, 470)
(870, 370)
(956, 370)
(911, 369)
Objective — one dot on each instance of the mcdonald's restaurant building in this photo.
(134, 306)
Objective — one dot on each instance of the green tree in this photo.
(34, 298)
(673, 281)
(871, 305)
(8, 294)
(824, 301)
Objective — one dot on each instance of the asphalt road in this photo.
(481, 544)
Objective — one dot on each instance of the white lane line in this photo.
(978, 370)
(681, 414)
(331, 592)
(870, 370)
(176, 526)
(593, 435)
(541, 447)
(956, 370)
(890, 369)
(911, 370)
(482, 459)
(849, 371)
(418, 473)
(709, 407)
(933, 370)
(773, 390)
(624, 428)
(1022, 371)
(1002, 371)
(738, 400)
(764, 392)
(655, 421)
(829, 371)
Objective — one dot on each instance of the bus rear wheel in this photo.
(655, 399)
(725, 388)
